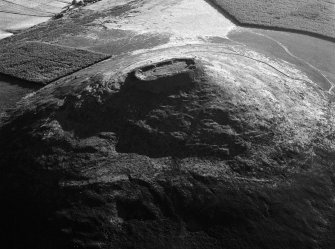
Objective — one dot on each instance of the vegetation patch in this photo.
(272, 49)
(303, 16)
(42, 62)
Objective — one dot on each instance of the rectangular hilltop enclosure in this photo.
(42, 62)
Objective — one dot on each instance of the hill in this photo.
(164, 125)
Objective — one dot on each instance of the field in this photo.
(315, 17)
(317, 52)
(42, 63)
(315, 58)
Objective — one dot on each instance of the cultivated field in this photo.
(306, 16)
(42, 62)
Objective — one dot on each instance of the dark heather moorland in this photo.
(159, 129)
(42, 62)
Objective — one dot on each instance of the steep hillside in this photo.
(161, 149)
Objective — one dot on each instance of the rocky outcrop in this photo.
(179, 152)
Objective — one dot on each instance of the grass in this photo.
(42, 62)
(313, 17)
(319, 53)
(272, 49)
(113, 42)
